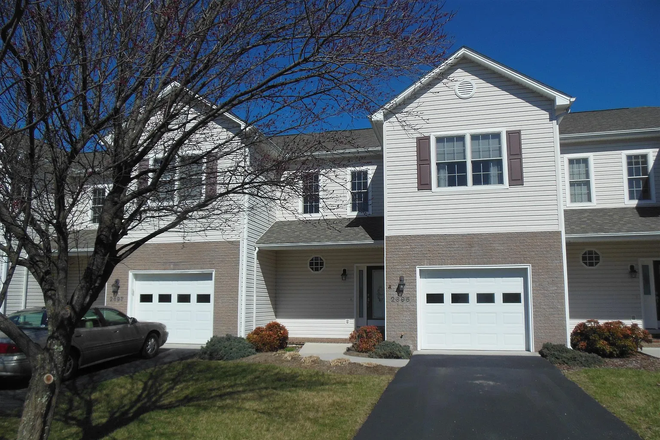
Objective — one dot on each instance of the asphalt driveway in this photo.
(488, 398)
(13, 391)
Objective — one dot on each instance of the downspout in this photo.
(243, 269)
(562, 225)
(254, 288)
(5, 271)
(25, 288)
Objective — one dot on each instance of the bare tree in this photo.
(131, 95)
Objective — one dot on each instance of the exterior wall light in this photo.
(344, 275)
(115, 288)
(400, 286)
(632, 272)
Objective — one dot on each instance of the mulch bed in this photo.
(638, 361)
(324, 366)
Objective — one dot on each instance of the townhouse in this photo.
(477, 213)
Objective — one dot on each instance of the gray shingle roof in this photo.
(319, 231)
(610, 120)
(332, 140)
(612, 220)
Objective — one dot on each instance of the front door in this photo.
(651, 293)
(370, 296)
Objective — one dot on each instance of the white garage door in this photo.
(473, 309)
(181, 301)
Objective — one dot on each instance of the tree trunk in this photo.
(39, 406)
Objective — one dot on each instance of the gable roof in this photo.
(562, 100)
(611, 121)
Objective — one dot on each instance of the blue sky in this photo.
(605, 53)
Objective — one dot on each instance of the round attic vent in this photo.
(465, 89)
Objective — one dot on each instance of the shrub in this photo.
(559, 354)
(274, 336)
(391, 350)
(226, 348)
(609, 339)
(366, 338)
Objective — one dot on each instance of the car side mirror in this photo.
(132, 321)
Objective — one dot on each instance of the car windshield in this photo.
(29, 318)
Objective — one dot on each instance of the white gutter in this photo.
(612, 236)
(610, 135)
(284, 246)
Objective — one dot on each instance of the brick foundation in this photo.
(541, 250)
(223, 257)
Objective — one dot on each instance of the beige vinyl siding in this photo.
(609, 173)
(259, 309)
(16, 292)
(606, 292)
(335, 192)
(498, 105)
(319, 304)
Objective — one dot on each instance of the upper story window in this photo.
(190, 180)
(639, 182)
(167, 185)
(182, 179)
(469, 160)
(579, 180)
(311, 193)
(360, 191)
(98, 197)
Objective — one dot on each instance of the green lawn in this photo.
(631, 395)
(219, 400)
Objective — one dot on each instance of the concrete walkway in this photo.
(652, 351)
(328, 352)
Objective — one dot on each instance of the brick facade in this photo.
(541, 250)
(223, 257)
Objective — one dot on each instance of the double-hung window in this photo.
(580, 186)
(311, 193)
(167, 184)
(469, 160)
(190, 179)
(360, 191)
(638, 179)
(451, 161)
(487, 165)
(98, 197)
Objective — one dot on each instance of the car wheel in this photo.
(70, 365)
(150, 347)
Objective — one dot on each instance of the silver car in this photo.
(102, 334)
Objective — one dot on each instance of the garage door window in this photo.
(511, 298)
(164, 298)
(485, 298)
(460, 298)
(435, 298)
(146, 298)
(183, 298)
(203, 299)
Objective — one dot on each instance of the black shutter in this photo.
(424, 163)
(514, 150)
